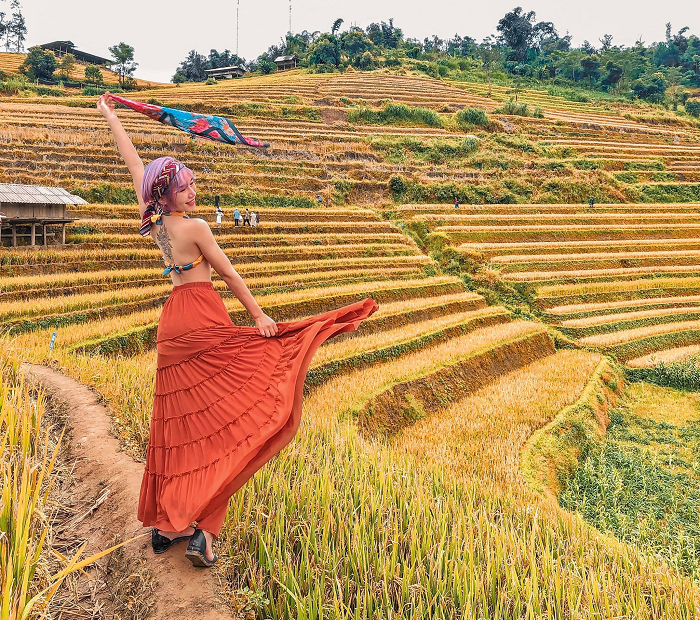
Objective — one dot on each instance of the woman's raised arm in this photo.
(133, 162)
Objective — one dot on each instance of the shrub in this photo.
(397, 185)
(210, 81)
(472, 116)
(395, 114)
(692, 107)
(14, 86)
(51, 92)
(514, 108)
(520, 144)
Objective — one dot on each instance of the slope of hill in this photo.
(421, 415)
(10, 63)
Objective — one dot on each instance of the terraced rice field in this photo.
(315, 150)
(425, 414)
(623, 279)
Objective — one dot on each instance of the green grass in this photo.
(434, 150)
(643, 485)
(395, 114)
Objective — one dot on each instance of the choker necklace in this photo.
(178, 213)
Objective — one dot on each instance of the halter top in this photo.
(157, 219)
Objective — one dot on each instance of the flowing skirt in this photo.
(226, 401)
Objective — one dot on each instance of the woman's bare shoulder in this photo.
(199, 226)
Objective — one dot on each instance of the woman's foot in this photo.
(199, 549)
(209, 554)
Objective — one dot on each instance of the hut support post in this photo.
(63, 234)
(14, 236)
(33, 237)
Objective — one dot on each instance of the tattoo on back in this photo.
(163, 241)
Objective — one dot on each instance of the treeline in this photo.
(523, 49)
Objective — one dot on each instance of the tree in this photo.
(385, 35)
(650, 87)
(336, 26)
(224, 59)
(193, 67)
(606, 42)
(124, 61)
(520, 32)
(67, 64)
(615, 73)
(17, 28)
(325, 51)
(590, 65)
(355, 43)
(39, 64)
(588, 48)
(516, 31)
(490, 54)
(93, 74)
(692, 107)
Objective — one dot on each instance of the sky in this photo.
(162, 33)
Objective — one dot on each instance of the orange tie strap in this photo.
(181, 268)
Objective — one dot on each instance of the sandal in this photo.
(161, 544)
(196, 550)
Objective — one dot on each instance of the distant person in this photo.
(319, 198)
(590, 203)
(253, 218)
(228, 397)
(246, 218)
(456, 203)
(236, 217)
(219, 215)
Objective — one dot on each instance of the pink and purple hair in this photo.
(162, 179)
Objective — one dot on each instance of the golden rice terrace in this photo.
(432, 485)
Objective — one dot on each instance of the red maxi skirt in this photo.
(226, 401)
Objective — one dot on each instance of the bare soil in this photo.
(105, 497)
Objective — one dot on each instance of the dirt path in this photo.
(181, 590)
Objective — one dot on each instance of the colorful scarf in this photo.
(154, 209)
(216, 128)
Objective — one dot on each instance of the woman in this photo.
(227, 397)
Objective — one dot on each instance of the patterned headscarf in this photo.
(160, 185)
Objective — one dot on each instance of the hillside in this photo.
(10, 63)
(495, 318)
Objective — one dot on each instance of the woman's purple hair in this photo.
(178, 184)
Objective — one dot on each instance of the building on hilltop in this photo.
(61, 48)
(225, 73)
(286, 62)
(26, 210)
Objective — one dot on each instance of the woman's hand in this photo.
(266, 326)
(105, 105)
